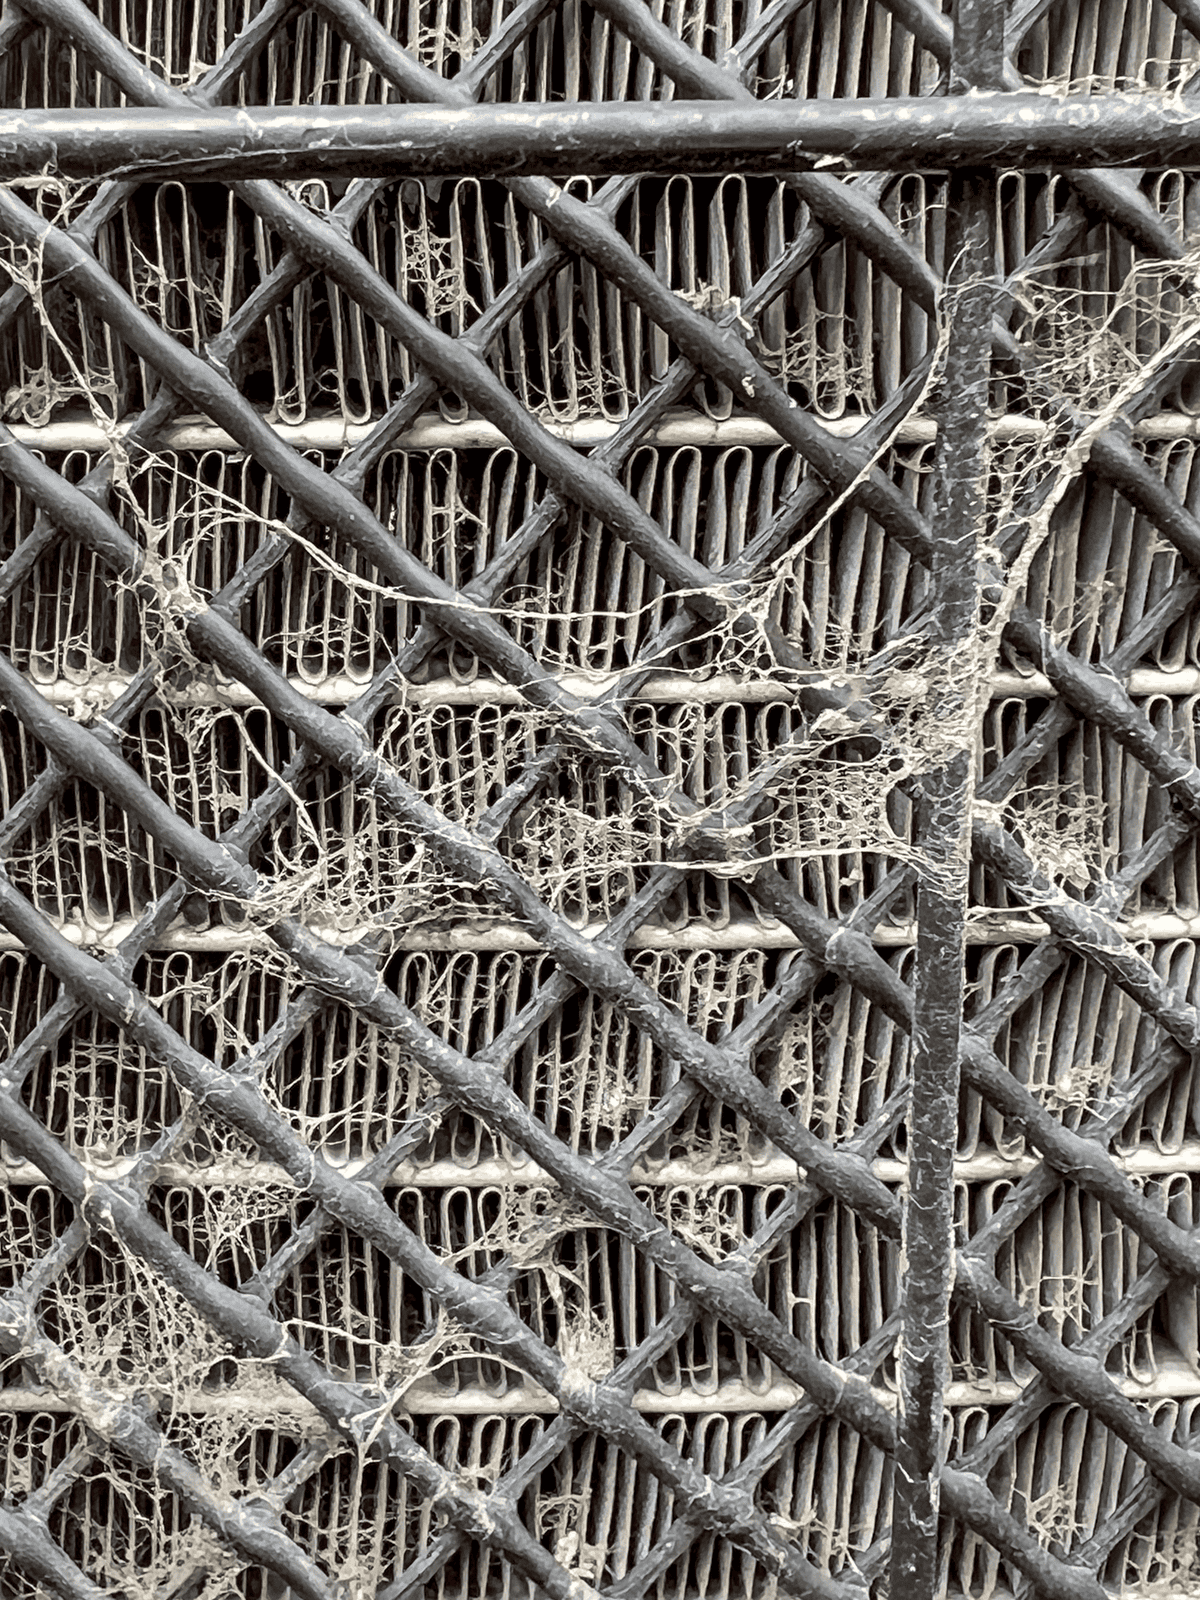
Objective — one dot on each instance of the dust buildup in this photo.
(836, 786)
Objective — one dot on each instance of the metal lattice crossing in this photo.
(472, 879)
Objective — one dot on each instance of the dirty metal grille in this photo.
(599, 788)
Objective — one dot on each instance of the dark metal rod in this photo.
(27, 1543)
(1014, 129)
(964, 1503)
(943, 831)
(944, 834)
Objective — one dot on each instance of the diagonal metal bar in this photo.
(31, 1138)
(25, 1541)
(507, 37)
(61, 1004)
(665, 878)
(117, 1209)
(220, 873)
(290, 271)
(416, 80)
(1041, 1393)
(121, 1211)
(44, 789)
(1038, 1185)
(728, 361)
(254, 1529)
(1067, 1371)
(223, 874)
(1034, 1400)
(668, 1331)
(365, 286)
(1026, 1198)
(686, 1528)
(252, 670)
(122, 1425)
(37, 1505)
(353, 1206)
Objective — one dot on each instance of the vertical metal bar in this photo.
(944, 833)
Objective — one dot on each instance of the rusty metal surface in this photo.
(329, 1070)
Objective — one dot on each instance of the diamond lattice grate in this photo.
(469, 670)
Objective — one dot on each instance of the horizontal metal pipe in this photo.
(1017, 129)
(999, 927)
(658, 688)
(986, 1165)
(432, 432)
(1176, 1378)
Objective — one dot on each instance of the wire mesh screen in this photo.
(469, 672)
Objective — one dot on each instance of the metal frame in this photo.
(550, 139)
(130, 146)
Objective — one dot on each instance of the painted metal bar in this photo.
(27, 1543)
(735, 1086)
(321, 496)
(723, 357)
(943, 835)
(598, 968)
(731, 1297)
(621, 1381)
(744, 1310)
(851, 956)
(1012, 130)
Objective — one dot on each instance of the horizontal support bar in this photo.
(1175, 1379)
(661, 688)
(1019, 129)
(987, 928)
(984, 1166)
(431, 432)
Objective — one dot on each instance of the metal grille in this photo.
(596, 1001)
